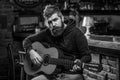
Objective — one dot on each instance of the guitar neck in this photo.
(63, 62)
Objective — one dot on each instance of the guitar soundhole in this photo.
(46, 59)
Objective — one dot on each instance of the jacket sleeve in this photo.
(27, 42)
(82, 46)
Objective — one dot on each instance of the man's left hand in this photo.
(76, 66)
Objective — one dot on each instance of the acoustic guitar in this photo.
(51, 60)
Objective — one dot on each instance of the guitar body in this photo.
(32, 69)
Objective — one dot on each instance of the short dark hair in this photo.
(49, 10)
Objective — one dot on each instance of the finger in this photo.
(77, 60)
(71, 70)
(75, 67)
(33, 60)
(78, 67)
(39, 62)
(40, 58)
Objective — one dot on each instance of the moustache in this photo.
(56, 28)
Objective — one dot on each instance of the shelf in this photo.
(99, 12)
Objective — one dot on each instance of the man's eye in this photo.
(49, 22)
(55, 19)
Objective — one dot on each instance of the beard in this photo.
(57, 31)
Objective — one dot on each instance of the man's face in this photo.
(56, 25)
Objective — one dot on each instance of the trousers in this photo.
(61, 76)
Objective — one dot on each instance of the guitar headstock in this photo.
(94, 67)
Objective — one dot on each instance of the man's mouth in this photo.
(56, 29)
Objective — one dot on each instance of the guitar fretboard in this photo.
(67, 63)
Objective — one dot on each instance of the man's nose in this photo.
(53, 23)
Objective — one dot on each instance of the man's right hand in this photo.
(35, 57)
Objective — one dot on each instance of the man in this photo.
(63, 35)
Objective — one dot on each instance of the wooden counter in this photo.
(110, 48)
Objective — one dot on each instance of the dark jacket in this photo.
(72, 41)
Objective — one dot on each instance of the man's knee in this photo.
(41, 77)
(72, 77)
(77, 77)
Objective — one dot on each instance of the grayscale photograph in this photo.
(59, 39)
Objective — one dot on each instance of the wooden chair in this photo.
(24, 76)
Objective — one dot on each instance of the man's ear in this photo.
(60, 15)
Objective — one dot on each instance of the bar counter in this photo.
(104, 44)
(108, 45)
